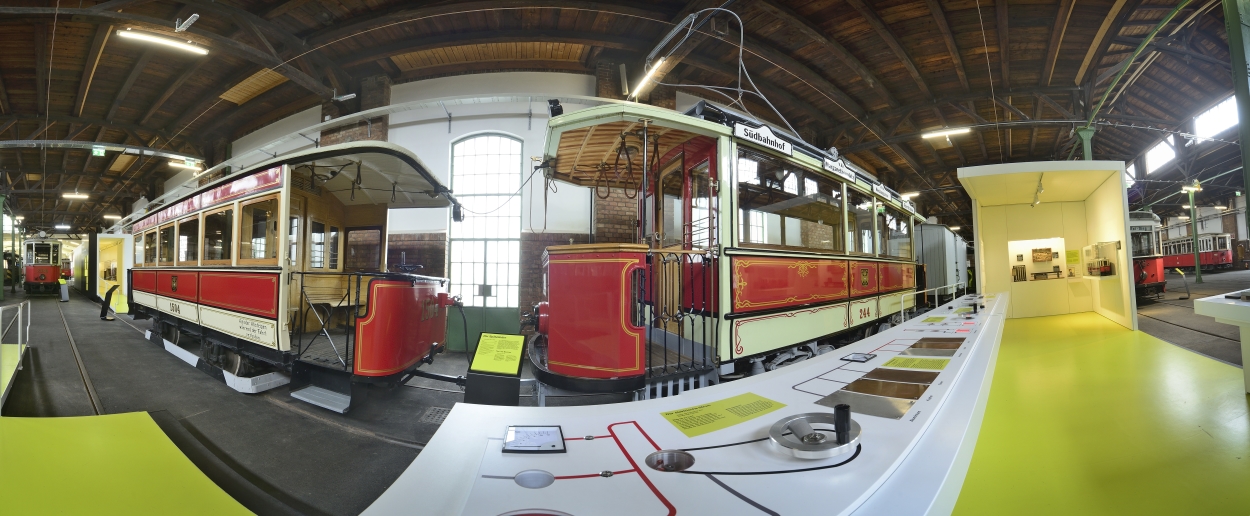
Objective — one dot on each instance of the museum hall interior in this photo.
(582, 257)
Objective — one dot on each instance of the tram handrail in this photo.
(902, 310)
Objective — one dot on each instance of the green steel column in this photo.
(1236, 14)
(13, 250)
(1193, 237)
(1087, 141)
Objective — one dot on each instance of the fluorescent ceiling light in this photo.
(74, 195)
(1183, 217)
(1185, 206)
(113, 217)
(945, 132)
(153, 38)
(955, 228)
(909, 195)
(183, 164)
(62, 226)
(1220, 207)
(647, 78)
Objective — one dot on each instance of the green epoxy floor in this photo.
(112, 464)
(1085, 417)
(10, 359)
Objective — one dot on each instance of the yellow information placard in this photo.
(963, 310)
(498, 353)
(710, 417)
(1072, 257)
(928, 364)
(934, 319)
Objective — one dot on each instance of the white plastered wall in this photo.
(1100, 217)
(426, 133)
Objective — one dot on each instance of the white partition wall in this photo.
(1025, 233)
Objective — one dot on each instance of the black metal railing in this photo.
(675, 300)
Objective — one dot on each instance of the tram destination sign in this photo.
(838, 167)
(763, 135)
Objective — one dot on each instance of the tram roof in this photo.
(385, 169)
(389, 174)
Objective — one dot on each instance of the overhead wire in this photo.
(989, 73)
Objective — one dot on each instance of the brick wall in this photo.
(532, 246)
(427, 249)
(608, 79)
(616, 218)
(375, 92)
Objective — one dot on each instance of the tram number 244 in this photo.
(865, 313)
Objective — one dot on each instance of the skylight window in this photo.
(1217, 119)
(1129, 174)
(1160, 155)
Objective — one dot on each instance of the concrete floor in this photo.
(318, 462)
(1173, 320)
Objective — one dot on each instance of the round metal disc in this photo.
(783, 441)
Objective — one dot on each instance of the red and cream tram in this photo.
(753, 250)
(1148, 268)
(282, 267)
(43, 265)
(1215, 251)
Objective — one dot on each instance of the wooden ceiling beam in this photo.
(807, 28)
(208, 101)
(89, 121)
(283, 8)
(886, 114)
(169, 91)
(219, 43)
(1057, 31)
(135, 72)
(1003, 25)
(41, 68)
(957, 62)
(96, 51)
(884, 33)
(5, 108)
(405, 46)
(404, 12)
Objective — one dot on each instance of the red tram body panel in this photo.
(770, 283)
(404, 323)
(252, 293)
(1210, 259)
(593, 333)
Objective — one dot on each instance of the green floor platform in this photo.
(1085, 417)
(10, 359)
(112, 464)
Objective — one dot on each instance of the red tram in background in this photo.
(282, 268)
(1148, 268)
(1214, 249)
(43, 265)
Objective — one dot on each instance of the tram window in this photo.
(218, 236)
(149, 248)
(258, 231)
(188, 240)
(138, 237)
(334, 247)
(896, 233)
(364, 249)
(859, 209)
(785, 205)
(1223, 243)
(317, 245)
(165, 254)
(292, 236)
(39, 254)
(1141, 244)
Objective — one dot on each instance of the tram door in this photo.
(295, 251)
(685, 228)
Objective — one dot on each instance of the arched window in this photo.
(485, 249)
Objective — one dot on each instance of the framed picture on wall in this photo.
(1055, 255)
(1019, 257)
(1041, 255)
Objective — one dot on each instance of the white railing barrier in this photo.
(902, 296)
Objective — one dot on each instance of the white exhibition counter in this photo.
(911, 465)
